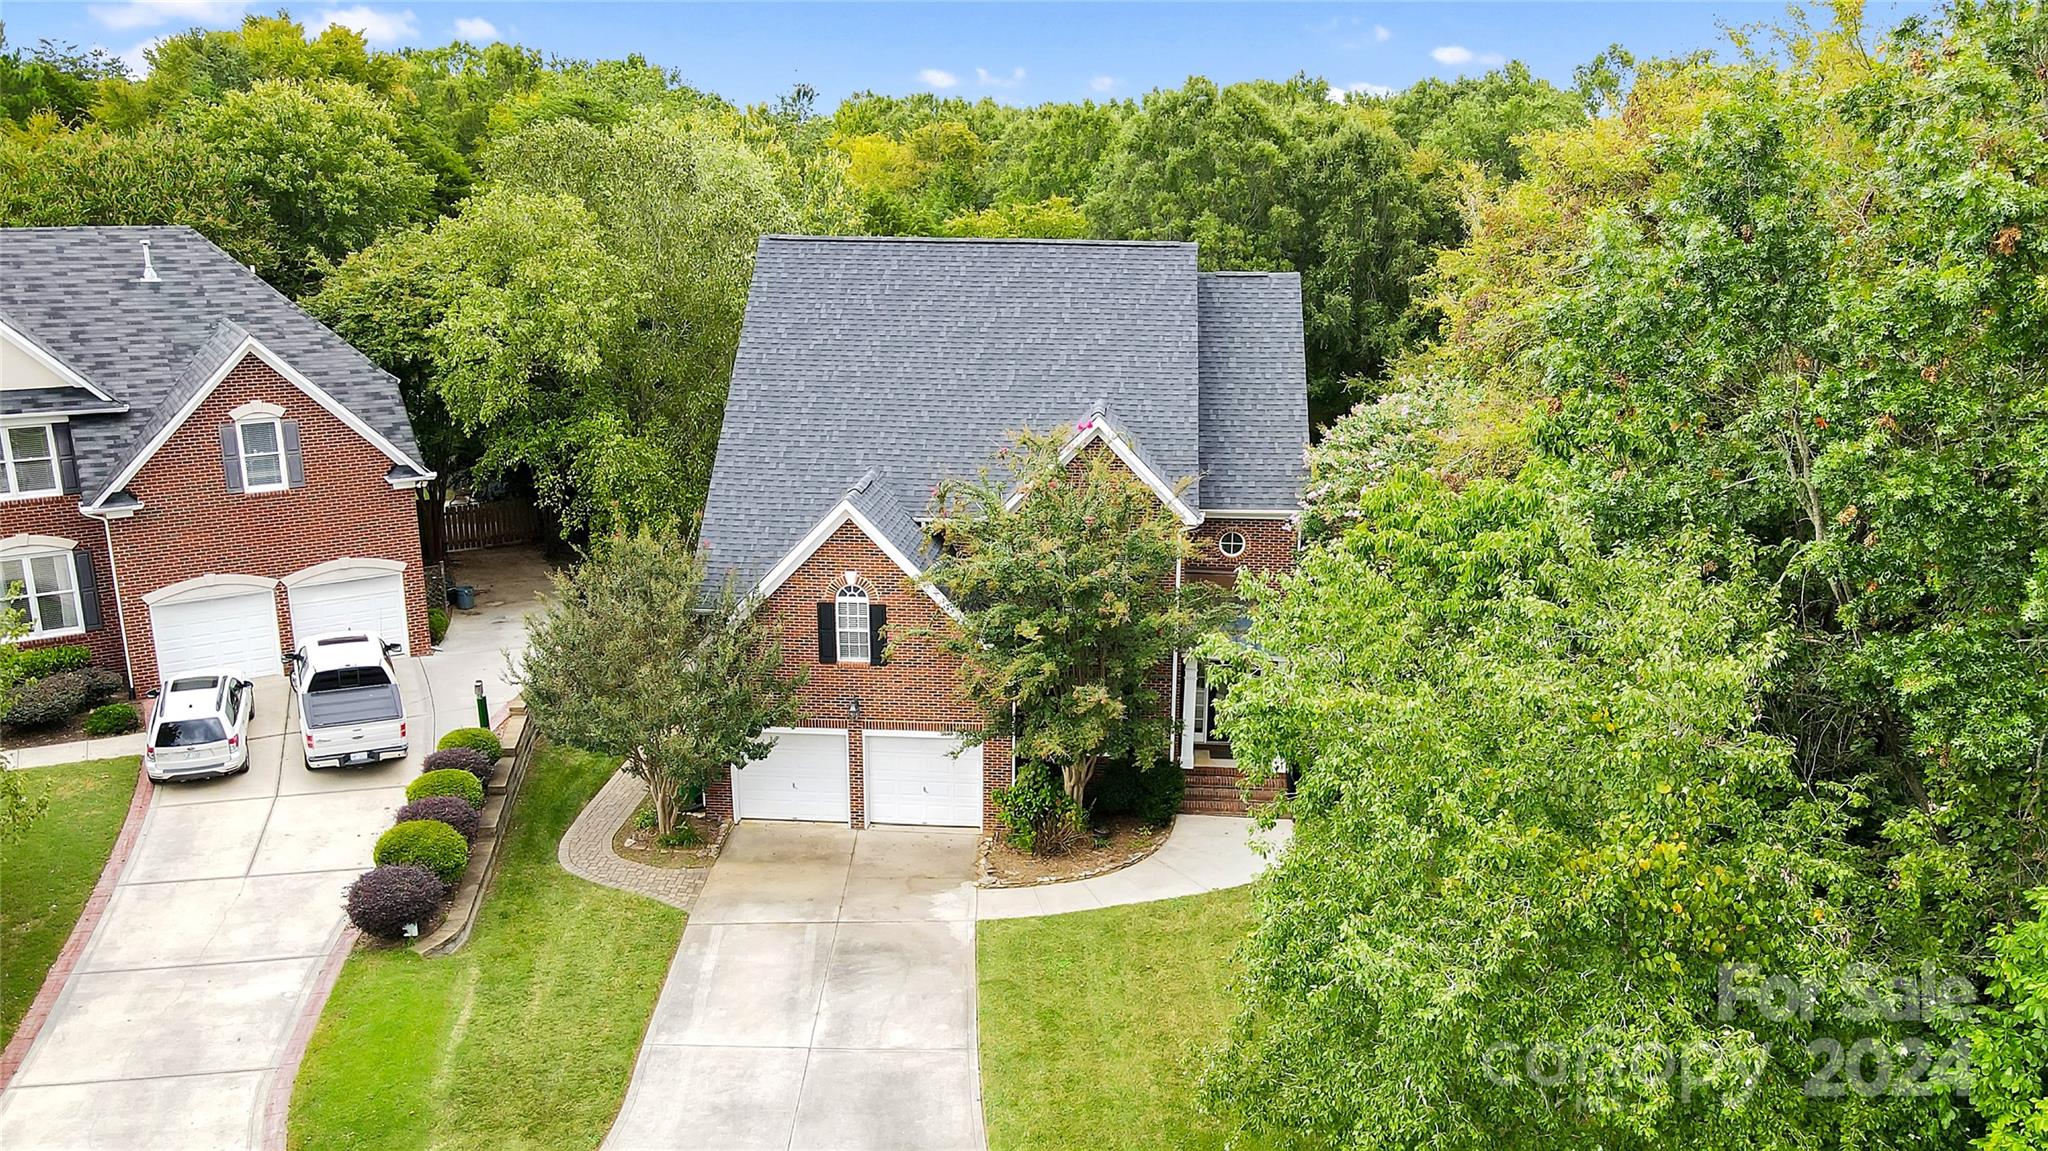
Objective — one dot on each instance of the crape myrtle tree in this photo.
(636, 657)
(1069, 612)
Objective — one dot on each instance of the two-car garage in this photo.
(230, 621)
(907, 777)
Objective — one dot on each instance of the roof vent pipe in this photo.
(148, 275)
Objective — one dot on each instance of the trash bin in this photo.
(462, 596)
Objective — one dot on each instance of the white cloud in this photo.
(153, 13)
(1456, 54)
(137, 58)
(377, 27)
(1102, 83)
(989, 79)
(938, 77)
(1337, 94)
(475, 28)
(1381, 33)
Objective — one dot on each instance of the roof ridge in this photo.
(1054, 241)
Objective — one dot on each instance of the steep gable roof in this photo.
(77, 293)
(918, 357)
(1254, 392)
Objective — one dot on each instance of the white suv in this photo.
(200, 728)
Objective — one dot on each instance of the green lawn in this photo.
(1093, 1025)
(45, 878)
(523, 1039)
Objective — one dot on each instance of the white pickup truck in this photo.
(349, 704)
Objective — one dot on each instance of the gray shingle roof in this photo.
(914, 359)
(74, 291)
(1254, 392)
(56, 401)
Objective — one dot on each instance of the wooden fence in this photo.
(467, 527)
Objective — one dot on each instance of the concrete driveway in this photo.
(509, 584)
(822, 998)
(180, 1010)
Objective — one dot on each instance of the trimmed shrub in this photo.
(437, 623)
(1151, 792)
(452, 810)
(461, 759)
(1036, 814)
(457, 783)
(60, 695)
(429, 843)
(113, 719)
(384, 902)
(475, 738)
(39, 662)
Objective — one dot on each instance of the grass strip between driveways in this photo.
(1094, 1024)
(523, 1039)
(46, 877)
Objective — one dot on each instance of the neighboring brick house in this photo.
(869, 370)
(196, 472)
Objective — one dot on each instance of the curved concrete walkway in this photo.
(1204, 853)
(586, 849)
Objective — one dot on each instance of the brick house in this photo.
(871, 368)
(196, 472)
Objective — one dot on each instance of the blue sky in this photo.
(1021, 53)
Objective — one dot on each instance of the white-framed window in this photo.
(30, 454)
(1231, 543)
(850, 622)
(43, 587)
(263, 468)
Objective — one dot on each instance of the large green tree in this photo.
(635, 656)
(1777, 326)
(1068, 603)
(579, 319)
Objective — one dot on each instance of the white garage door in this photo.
(916, 778)
(373, 603)
(237, 631)
(803, 778)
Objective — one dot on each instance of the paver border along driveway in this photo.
(180, 1010)
(822, 999)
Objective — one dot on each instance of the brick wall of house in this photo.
(191, 525)
(1269, 546)
(59, 516)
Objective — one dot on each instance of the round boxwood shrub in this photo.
(475, 738)
(427, 842)
(385, 901)
(452, 782)
(462, 759)
(452, 810)
(113, 719)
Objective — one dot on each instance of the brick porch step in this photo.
(1213, 789)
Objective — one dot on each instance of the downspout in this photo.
(120, 609)
(1173, 707)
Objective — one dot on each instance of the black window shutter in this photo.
(294, 465)
(231, 457)
(88, 589)
(67, 459)
(828, 633)
(878, 619)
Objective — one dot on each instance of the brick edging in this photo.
(278, 1104)
(89, 917)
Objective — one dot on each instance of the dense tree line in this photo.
(552, 254)
(1676, 637)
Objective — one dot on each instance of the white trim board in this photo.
(1099, 428)
(57, 367)
(342, 571)
(249, 346)
(841, 514)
